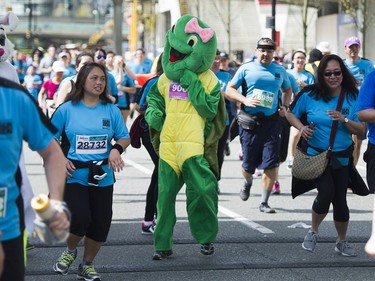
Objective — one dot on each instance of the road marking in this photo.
(229, 213)
(138, 166)
(245, 221)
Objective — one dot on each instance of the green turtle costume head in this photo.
(190, 44)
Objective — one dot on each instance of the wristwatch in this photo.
(346, 120)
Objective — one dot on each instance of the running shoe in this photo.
(245, 191)
(88, 273)
(148, 229)
(160, 255)
(310, 240)
(62, 265)
(276, 188)
(265, 208)
(207, 249)
(344, 249)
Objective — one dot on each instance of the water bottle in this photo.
(45, 210)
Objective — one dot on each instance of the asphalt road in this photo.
(250, 245)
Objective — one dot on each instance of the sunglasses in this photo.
(100, 56)
(335, 73)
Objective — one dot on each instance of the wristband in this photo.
(118, 147)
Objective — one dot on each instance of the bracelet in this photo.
(118, 147)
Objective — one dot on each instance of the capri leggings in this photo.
(91, 209)
(332, 188)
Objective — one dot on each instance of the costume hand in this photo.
(188, 77)
(115, 161)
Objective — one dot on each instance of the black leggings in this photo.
(332, 188)
(152, 191)
(91, 209)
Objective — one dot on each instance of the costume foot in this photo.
(160, 255)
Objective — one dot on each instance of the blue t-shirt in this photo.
(303, 76)
(20, 120)
(89, 131)
(360, 69)
(145, 89)
(317, 112)
(140, 68)
(224, 78)
(293, 83)
(112, 85)
(29, 81)
(265, 82)
(122, 101)
(366, 100)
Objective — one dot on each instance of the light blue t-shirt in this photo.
(366, 100)
(317, 112)
(89, 131)
(122, 100)
(360, 69)
(265, 81)
(224, 78)
(20, 120)
(303, 76)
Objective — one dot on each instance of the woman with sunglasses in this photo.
(313, 113)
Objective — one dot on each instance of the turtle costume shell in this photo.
(186, 115)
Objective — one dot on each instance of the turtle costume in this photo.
(186, 115)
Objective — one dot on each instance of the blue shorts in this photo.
(261, 146)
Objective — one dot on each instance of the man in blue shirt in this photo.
(260, 80)
(21, 119)
(359, 68)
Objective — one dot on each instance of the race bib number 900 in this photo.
(91, 144)
(177, 92)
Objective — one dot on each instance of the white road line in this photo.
(138, 166)
(245, 221)
(234, 216)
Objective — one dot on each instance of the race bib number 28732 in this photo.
(91, 144)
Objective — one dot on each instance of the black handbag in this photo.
(246, 121)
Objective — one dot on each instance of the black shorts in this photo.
(91, 209)
(14, 266)
(369, 158)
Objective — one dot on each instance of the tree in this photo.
(359, 11)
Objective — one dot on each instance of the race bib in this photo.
(3, 201)
(177, 92)
(91, 144)
(266, 98)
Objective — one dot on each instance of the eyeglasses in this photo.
(335, 73)
(100, 56)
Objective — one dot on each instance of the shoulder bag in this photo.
(309, 167)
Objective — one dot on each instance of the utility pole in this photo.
(117, 31)
(273, 15)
